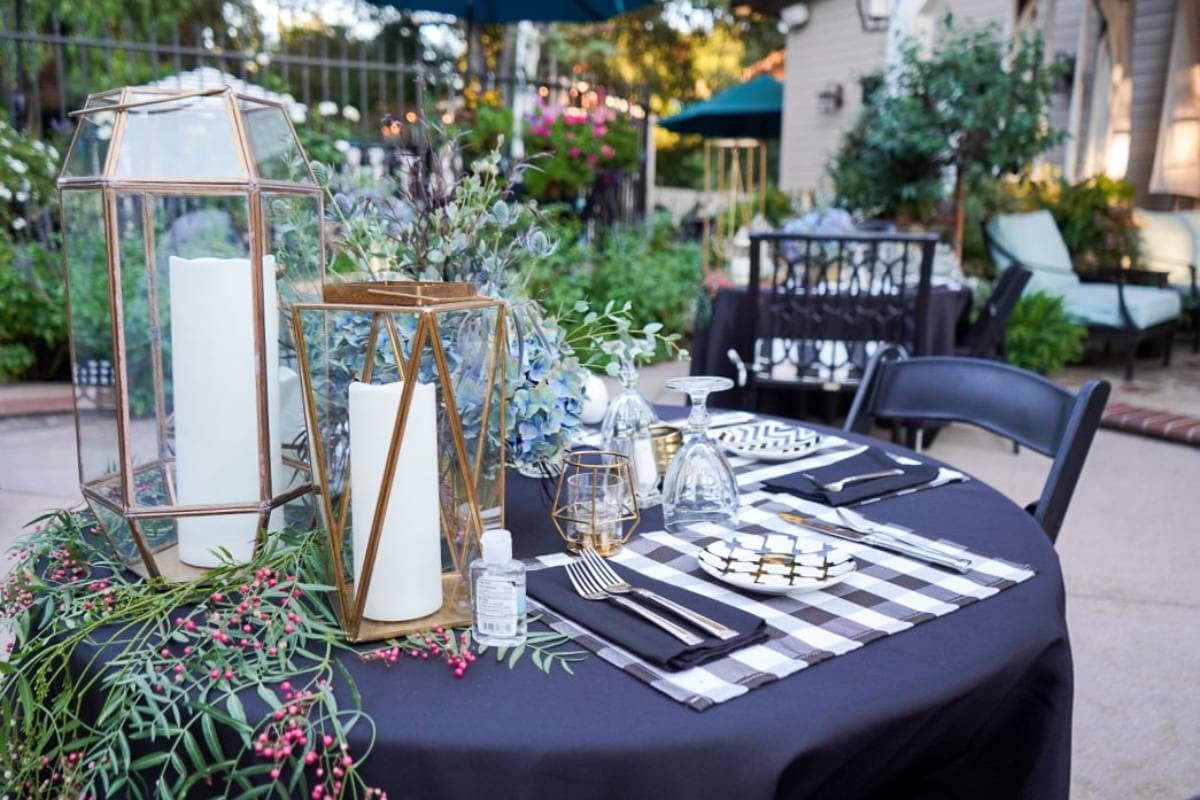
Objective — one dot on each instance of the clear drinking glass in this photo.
(596, 504)
(628, 411)
(699, 485)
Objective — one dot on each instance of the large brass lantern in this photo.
(404, 388)
(191, 224)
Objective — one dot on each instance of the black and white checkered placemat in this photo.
(887, 594)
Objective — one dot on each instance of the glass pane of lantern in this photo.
(292, 225)
(273, 147)
(91, 334)
(199, 238)
(338, 343)
(90, 148)
(186, 139)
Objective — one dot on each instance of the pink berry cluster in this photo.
(63, 774)
(440, 643)
(289, 740)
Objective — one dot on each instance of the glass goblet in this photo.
(700, 485)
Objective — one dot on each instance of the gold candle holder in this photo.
(595, 502)
(666, 441)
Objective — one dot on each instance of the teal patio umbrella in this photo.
(749, 110)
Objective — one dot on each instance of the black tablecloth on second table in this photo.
(975, 704)
(726, 327)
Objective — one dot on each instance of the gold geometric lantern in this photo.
(404, 392)
(191, 224)
(595, 502)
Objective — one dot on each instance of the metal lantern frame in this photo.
(426, 300)
(582, 462)
(154, 562)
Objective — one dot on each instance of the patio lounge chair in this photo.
(1117, 305)
(1000, 398)
(1171, 243)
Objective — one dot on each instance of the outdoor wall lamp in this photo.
(830, 98)
(874, 14)
(794, 16)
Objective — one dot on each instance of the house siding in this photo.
(1153, 25)
(832, 48)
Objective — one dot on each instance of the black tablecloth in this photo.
(976, 704)
(726, 327)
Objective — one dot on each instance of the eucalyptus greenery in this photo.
(436, 223)
(119, 686)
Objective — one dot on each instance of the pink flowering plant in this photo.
(115, 686)
(576, 147)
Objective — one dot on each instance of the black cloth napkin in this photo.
(870, 460)
(606, 619)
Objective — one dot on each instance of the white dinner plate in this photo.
(776, 563)
(769, 440)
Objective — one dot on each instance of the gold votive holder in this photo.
(666, 441)
(595, 504)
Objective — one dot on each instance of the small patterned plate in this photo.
(776, 563)
(769, 441)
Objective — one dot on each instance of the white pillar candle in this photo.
(645, 466)
(406, 582)
(214, 367)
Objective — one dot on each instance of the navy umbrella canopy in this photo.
(505, 11)
(752, 110)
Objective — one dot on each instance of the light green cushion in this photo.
(1169, 244)
(1034, 240)
(1097, 304)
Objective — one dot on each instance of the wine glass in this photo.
(699, 485)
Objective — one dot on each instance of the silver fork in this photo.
(612, 583)
(838, 485)
(586, 588)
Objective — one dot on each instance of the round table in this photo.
(973, 704)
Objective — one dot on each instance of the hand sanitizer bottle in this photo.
(497, 593)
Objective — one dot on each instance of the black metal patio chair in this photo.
(1000, 398)
(822, 304)
(986, 338)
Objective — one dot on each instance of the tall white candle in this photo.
(213, 372)
(406, 582)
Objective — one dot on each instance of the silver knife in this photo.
(892, 544)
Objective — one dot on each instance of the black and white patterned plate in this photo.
(775, 563)
(769, 440)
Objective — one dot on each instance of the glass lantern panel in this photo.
(90, 148)
(183, 139)
(292, 234)
(85, 243)
(194, 379)
(273, 147)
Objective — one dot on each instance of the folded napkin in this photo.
(870, 460)
(552, 587)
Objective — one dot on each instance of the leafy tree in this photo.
(975, 104)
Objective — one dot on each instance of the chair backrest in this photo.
(1003, 399)
(985, 335)
(1032, 239)
(821, 304)
(1168, 244)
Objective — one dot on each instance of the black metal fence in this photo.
(46, 72)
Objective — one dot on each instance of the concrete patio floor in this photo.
(1129, 551)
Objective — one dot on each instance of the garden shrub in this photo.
(646, 266)
(1041, 337)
